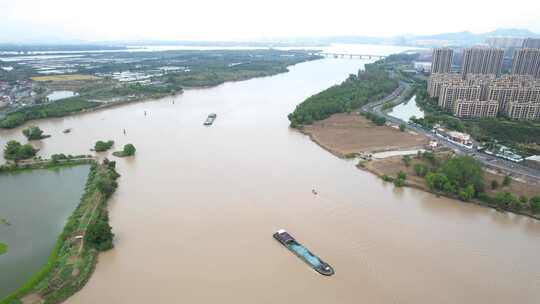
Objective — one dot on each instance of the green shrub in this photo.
(420, 170)
(406, 160)
(399, 182)
(33, 133)
(387, 178)
(534, 202)
(15, 151)
(102, 146)
(99, 234)
(507, 180)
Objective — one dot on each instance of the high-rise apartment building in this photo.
(442, 60)
(512, 92)
(523, 110)
(526, 62)
(482, 61)
(475, 108)
(436, 81)
(531, 43)
(450, 93)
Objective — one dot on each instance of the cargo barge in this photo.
(210, 119)
(303, 253)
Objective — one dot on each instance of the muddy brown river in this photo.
(197, 206)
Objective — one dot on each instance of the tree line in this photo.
(370, 84)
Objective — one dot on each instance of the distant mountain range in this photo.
(455, 39)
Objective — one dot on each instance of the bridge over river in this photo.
(351, 56)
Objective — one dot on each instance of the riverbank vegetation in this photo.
(122, 77)
(16, 151)
(128, 150)
(460, 177)
(56, 109)
(34, 133)
(370, 84)
(74, 256)
(102, 146)
(3, 248)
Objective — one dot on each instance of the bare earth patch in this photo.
(32, 298)
(71, 77)
(344, 134)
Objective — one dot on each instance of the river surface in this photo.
(406, 110)
(37, 205)
(197, 206)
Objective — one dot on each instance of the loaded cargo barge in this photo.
(210, 119)
(303, 253)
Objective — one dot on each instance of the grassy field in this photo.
(73, 77)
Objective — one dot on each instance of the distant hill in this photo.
(464, 38)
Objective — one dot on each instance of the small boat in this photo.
(210, 119)
(67, 130)
(303, 253)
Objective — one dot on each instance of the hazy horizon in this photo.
(241, 20)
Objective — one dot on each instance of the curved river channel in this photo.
(197, 206)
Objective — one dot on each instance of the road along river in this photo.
(197, 206)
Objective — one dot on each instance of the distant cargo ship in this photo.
(303, 253)
(210, 119)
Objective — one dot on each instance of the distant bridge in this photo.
(351, 56)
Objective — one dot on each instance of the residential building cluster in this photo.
(479, 89)
(10, 93)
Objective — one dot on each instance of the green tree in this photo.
(494, 184)
(129, 150)
(505, 200)
(15, 151)
(33, 133)
(402, 127)
(436, 180)
(402, 175)
(464, 171)
(99, 234)
(407, 160)
(507, 180)
(467, 194)
(101, 146)
(420, 170)
(535, 204)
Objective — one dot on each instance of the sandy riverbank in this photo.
(344, 134)
(347, 134)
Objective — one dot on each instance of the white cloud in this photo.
(248, 19)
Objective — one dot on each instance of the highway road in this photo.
(489, 161)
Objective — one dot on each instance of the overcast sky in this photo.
(26, 20)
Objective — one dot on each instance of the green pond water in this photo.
(35, 205)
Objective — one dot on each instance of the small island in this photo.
(34, 133)
(129, 150)
(102, 146)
